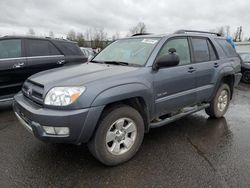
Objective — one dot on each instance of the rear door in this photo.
(42, 55)
(207, 64)
(72, 52)
(13, 70)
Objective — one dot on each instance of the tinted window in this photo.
(182, 49)
(10, 48)
(201, 51)
(227, 47)
(68, 48)
(41, 48)
(213, 56)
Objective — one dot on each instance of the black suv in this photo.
(22, 56)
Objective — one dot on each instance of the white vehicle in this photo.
(88, 52)
(242, 46)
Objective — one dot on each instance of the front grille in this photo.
(33, 91)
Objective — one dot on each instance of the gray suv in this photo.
(134, 84)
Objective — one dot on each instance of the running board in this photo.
(178, 116)
(7, 99)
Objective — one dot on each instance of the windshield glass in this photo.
(132, 51)
(245, 56)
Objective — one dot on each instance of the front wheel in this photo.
(119, 135)
(220, 103)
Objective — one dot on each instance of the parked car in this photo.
(21, 56)
(134, 84)
(88, 52)
(245, 66)
(242, 46)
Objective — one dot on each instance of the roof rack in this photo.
(194, 31)
(138, 34)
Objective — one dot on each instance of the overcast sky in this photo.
(160, 16)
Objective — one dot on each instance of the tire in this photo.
(220, 103)
(119, 135)
(246, 77)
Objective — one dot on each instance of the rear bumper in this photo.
(81, 123)
(237, 79)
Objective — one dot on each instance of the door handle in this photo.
(18, 65)
(60, 62)
(216, 65)
(191, 69)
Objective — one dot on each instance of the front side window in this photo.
(10, 48)
(182, 49)
(41, 48)
(200, 48)
(132, 51)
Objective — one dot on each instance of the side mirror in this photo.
(168, 60)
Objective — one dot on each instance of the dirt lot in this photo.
(192, 152)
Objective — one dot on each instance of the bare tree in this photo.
(227, 27)
(51, 34)
(31, 32)
(238, 34)
(99, 36)
(139, 28)
(115, 36)
(71, 35)
(80, 39)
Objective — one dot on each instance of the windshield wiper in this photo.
(116, 63)
(94, 61)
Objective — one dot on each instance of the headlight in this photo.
(63, 96)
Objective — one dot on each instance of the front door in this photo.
(174, 87)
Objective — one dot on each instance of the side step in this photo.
(186, 111)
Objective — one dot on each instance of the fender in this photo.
(225, 71)
(123, 92)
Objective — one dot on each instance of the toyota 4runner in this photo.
(134, 84)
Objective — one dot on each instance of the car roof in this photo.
(172, 35)
(34, 37)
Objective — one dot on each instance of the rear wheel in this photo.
(246, 77)
(220, 103)
(118, 136)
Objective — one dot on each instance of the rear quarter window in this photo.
(226, 47)
(68, 48)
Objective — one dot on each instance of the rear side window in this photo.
(41, 48)
(68, 48)
(226, 47)
(201, 50)
(10, 48)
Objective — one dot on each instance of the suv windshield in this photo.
(133, 51)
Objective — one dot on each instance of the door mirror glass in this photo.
(168, 60)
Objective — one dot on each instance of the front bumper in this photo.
(81, 123)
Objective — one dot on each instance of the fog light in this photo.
(64, 131)
(49, 130)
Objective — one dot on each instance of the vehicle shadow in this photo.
(170, 145)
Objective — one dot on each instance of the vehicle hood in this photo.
(78, 75)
